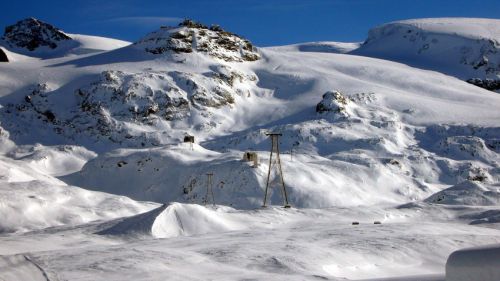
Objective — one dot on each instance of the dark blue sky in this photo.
(265, 22)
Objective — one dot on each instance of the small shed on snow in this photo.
(3, 56)
(251, 156)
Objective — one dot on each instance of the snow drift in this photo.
(176, 220)
(477, 263)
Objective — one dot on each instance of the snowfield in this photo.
(391, 159)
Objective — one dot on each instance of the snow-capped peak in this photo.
(192, 36)
(32, 34)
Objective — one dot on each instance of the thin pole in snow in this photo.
(210, 190)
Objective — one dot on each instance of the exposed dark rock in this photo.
(488, 84)
(333, 102)
(31, 34)
(192, 24)
(3, 56)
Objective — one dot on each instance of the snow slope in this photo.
(320, 47)
(92, 44)
(227, 244)
(31, 198)
(462, 47)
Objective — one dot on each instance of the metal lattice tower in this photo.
(275, 163)
(209, 189)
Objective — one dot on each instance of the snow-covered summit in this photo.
(192, 36)
(462, 47)
(35, 38)
(32, 34)
(473, 28)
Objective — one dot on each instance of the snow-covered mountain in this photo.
(33, 37)
(389, 125)
(466, 48)
(216, 86)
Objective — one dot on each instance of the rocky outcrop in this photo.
(3, 56)
(118, 106)
(32, 34)
(192, 36)
(488, 84)
(333, 102)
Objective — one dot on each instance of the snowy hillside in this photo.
(382, 131)
(461, 47)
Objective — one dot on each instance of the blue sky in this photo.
(265, 22)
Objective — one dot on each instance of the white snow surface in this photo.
(227, 244)
(98, 42)
(463, 47)
(38, 204)
(91, 136)
(474, 28)
(476, 263)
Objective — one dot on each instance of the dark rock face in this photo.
(31, 34)
(3, 56)
(488, 84)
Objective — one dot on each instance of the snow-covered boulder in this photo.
(6, 145)
(191, 37)
(333, 102)
(474, 264)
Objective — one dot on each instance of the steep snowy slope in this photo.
(462, 47)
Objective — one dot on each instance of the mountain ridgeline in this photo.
(389, 113)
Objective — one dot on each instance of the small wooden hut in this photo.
(251, 156)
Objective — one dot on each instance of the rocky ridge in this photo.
(31, 34)
(192, 36)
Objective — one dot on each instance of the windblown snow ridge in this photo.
(175, 220)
